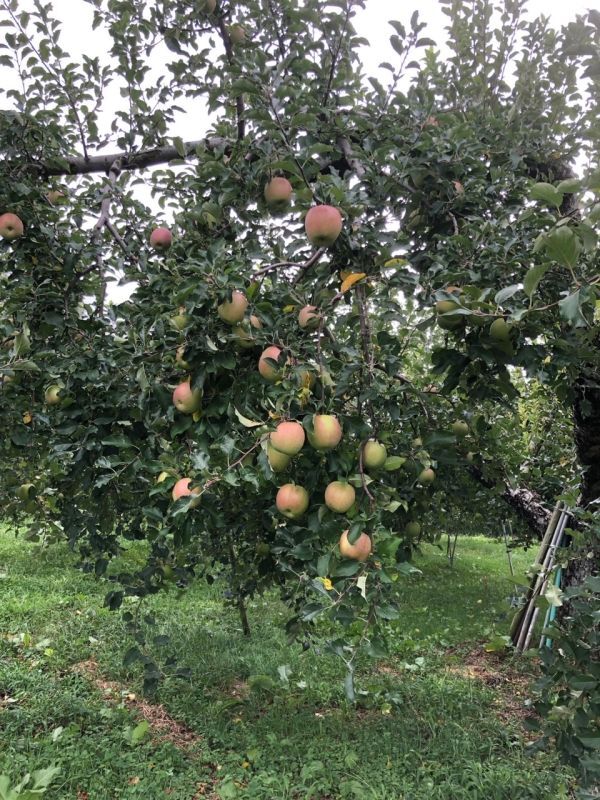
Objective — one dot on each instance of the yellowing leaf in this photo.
(327, 584)
(353, 278)
(362, 585)
(197, 416)
(288, 309)
(27, 418)
(396, 262)
(247, 423)
(344, 273)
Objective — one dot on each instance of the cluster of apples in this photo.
(292, 501)
(322, 223)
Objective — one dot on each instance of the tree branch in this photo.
(527, 504)
(79, 165)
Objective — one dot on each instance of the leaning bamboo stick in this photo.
(517, 619)
(541, 582)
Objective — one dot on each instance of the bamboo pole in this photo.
(517, 619)
(528, 620)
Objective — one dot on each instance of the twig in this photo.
(309, 263)
(277, 30)
(286, 264)
(236, 463)
(286, 140)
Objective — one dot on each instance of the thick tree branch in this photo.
(527, 504)
(79, 165)
(353, 162)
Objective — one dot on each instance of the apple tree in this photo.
(339, 286)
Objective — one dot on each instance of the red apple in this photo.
(426, 476)
(323, 225)
(232, 311)
(308, 318)
(374, 454)
(182, 489)
(278, 192)
(269, 372)
(291, 500)
(339, 496)
(186, 400)
(288, 438)
(161, 238)
(277, 461)
(327, 432)
(359, 551)
(11, 227)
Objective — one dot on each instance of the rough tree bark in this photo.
(586, 418)
(526, 503)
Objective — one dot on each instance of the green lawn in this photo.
(456, 733)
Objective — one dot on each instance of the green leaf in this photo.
(533, 277)
(593, 742)
(179, 146)
(569, 186)
(140, 732)
(42, 778)
(387, 611)
(117, 441)
(346, 569)
(563, 246)
(570, 310)
(507, 293)
(323, 565)
(25, 366)
(393, 463)
(546, 193)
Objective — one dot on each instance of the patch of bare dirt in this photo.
(491, 670)
(239, 690)
(164, 727)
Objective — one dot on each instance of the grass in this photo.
(455, 731)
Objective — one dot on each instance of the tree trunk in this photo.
(586, 417)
